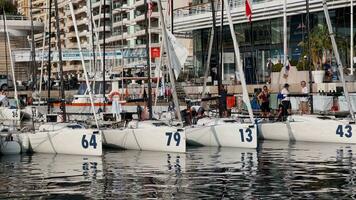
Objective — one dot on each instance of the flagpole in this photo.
(220, 64)
(149, 102)
(308, 59)
(285, 33)
(149, 35)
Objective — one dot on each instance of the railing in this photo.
(14, 17)
(206, 8)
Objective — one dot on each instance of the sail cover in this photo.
(178, 53)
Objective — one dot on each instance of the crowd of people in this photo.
(284, 107)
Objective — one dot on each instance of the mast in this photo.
(220, 65)
(170, 68)
(33, 53)
(49, 55)
(239, 65)
(104, 49)
(211, 42)
(352, 37)
(42, 59)
(338, 60)
(7, 69)
(11, 61)
(147, 21)
(83, 62)
(60, 62)
(92, 35)
(308, 59)
(172, 16)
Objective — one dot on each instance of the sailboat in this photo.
(60, 136)
(314, 128)
(150, 134)
(226, 132)
(10, 113)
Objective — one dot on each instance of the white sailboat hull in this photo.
(18, 143)
(9, 147)
(67, 141)
(145, 136)
(309, 128)
(218, 133)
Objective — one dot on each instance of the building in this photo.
(121, 21)
(19, 28)
(266, 30)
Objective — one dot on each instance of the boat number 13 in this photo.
(341, 130)
(91, 142)
(247, 136)
(176, 137)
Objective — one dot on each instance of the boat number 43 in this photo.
(344, 131)
(176, 138)
(87, 143)
(246, 135)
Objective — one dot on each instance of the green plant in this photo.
(293, 62)
(320, 45)
(277, 67)
(301, 65)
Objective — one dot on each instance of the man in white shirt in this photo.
(286, 99)
(304, 107)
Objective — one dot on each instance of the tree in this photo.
(320, 45)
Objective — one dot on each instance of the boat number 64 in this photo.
(247, 136)
(176, 137)
(341, 130)
(91, 142)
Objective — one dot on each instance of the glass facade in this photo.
(267, 37)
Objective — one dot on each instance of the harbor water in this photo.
(276, 170)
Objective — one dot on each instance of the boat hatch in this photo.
(323, 117)
(159, 124)
(230, 121)
(74, 126)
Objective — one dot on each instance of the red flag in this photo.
(248, 10)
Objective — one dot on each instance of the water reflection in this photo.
(48, 175)
(275, 170)
(305, 170)
(144, 174)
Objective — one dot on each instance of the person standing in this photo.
(286, 100)
(269, 70)
(263, 97)
(304, 107)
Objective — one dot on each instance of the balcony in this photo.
(97, 4)
(70, 35)
(101, 16)
(142, 32)
(83, 21)
(119, 23)
(101, 29)
(80, 10)
(139, 3)
(142, 17)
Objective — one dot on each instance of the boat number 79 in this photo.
(91, 142)
(248, 136)
(340, 131)
(176, 137)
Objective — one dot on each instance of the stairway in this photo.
(180, 92)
